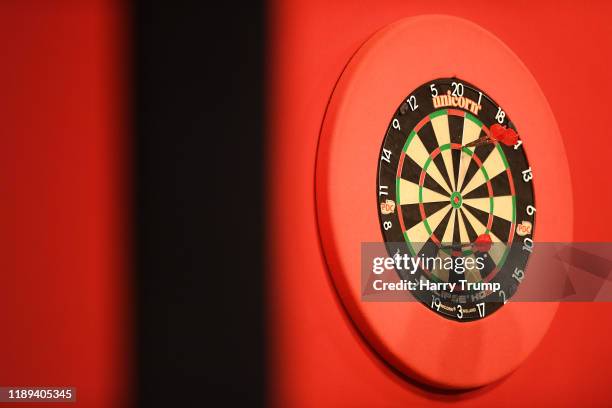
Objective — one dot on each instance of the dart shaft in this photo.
(479, 142)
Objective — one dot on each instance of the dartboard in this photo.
(438, 143)
(454, 182)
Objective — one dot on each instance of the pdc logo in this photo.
(387, 207)
(524, 228)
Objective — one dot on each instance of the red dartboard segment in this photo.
(401, 161)
(490, 220)
(407, 336)
(512, 190)
(421, 123)
(456, 112)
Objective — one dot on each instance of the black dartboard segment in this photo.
(446, 196)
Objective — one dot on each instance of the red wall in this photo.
(316, 356)
(62, 240)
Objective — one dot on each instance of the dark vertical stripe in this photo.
(198, 107)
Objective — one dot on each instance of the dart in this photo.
(498, 133)
(482, 243)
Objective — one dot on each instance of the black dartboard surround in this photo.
(443, 194)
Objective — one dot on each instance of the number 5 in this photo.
(434, 91)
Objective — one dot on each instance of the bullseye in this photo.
(456, 199)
